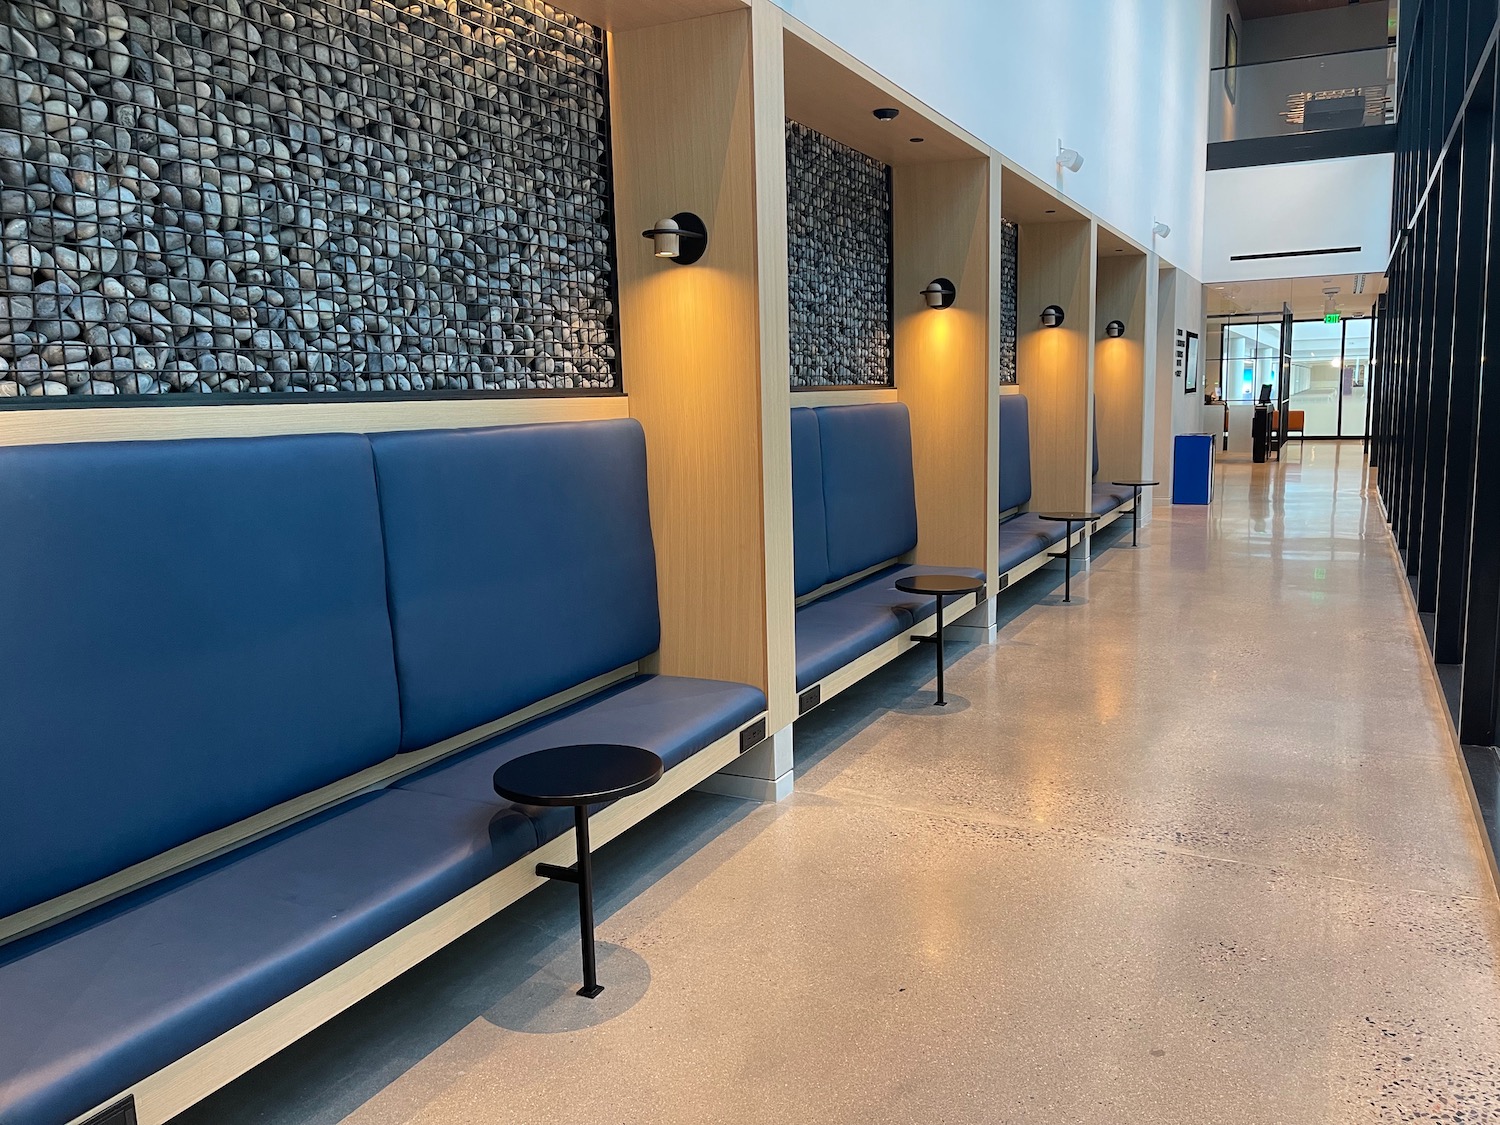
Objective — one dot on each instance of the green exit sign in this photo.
(1330, 318)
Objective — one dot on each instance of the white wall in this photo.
(1179, 305)
(1311, 205)
(1125, 82)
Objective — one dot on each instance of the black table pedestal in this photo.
(939, 586)
(1068, 519)
(937, 639)
(581, 873)
(1066, 554)
(579, 776)
(1135, 507)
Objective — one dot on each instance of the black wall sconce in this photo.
(683, 238)
(940, 293)
(1052, 316)
(1115, 329)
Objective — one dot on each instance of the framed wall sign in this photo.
(1231, 58)
(1190, 365)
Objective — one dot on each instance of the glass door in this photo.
(1354, 377)
(1284, 383)
(1317, 349)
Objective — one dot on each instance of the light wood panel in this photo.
(850, 396)
(206, 847)
(194, 1076)
(683, 110)
(831, 91)
(1120, 366)
(944, 369)
(627, 15)
(1115, 241)
(155, 422)
(1054, 366)
(1026, 199)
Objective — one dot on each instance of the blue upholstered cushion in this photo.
(1094, 429)
(848, 623)
(809, 525)
(1108, 497)
(190, 633)
(1026, 536)
(831, 632)
(99, 1002)
(1015, 452)
(520, 562)
(669, 715)
(869, 494)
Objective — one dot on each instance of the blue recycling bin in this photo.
(1193, 468)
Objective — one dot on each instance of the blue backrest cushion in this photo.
(521, 564)
(1015, 452)
(869, 494)
(809, 524)
(190, 633)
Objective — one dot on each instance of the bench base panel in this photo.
(193, 1077)
(762, 774)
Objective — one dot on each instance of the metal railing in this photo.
(1306, 94)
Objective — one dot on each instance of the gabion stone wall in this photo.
(243, 196)
(1009, 258)
(839, 251)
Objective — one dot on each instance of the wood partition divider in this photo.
(1055, 366)
(1120, 368)
(775, 362)
(947, 369)
(689, 121)
(165, 421)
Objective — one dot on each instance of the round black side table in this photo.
(579, 776)
(1135, 508)
(1066, 554)
(939, 586)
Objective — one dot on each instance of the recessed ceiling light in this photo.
(887, 113)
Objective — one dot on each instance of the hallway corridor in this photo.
(1193, 849)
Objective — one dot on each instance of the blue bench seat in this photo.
(673, 716)
(94, 1004)
(320, 606)
(1108, 497)
(1104, 497)
(846, 624)
(1023, 535)
(1026, 535)
(854, 508)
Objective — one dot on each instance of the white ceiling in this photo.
(1305, 294)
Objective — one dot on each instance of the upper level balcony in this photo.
(1309, 107)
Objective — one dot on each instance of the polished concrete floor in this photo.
(1194, 849)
